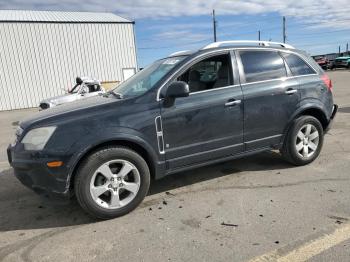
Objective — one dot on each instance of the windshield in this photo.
(145, 79)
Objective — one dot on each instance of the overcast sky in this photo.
(163, 26)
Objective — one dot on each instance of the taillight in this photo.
(327, 81)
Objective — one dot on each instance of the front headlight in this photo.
(37, 138)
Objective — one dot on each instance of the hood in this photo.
(68, 108)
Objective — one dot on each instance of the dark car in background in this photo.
(322, 61)
(227, 100)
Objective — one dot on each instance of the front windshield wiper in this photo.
(117, 95)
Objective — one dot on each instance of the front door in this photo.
(208, 124)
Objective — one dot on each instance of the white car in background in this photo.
(85, 87)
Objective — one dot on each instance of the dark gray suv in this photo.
(224, 101)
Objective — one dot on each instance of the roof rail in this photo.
(235, 42)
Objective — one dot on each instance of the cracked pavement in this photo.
(233, 211)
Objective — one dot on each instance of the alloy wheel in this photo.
(115, 184)
(307, 141)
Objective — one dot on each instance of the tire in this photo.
(299, 145)
(111, 182)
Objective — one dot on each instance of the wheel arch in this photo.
(138, 147)
(314, 111)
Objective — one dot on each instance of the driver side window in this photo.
(213, 72)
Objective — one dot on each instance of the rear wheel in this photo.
(112, 182)
(304, 140)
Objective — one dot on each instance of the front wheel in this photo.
(112, 182)
(304, 140)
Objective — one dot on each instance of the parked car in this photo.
(342, 62)
(173, 116)
(331, 63)
(85, 87)
(322, 62)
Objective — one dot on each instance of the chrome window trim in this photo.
(277, 79)
(228, 50)
(214, 89)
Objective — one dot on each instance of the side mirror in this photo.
(177, 89)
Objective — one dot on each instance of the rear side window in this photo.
(262, 65)
(297, 65)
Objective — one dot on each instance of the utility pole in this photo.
(284, 29)
(347, 47)
(259, 35)
(214, 25)
(339, 50)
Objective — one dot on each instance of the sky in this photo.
(167, 26)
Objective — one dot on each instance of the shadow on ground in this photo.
(345, 109)
(23, 209)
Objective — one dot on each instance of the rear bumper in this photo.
(334, 112)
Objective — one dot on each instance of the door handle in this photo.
(291, 91)
(233, 102)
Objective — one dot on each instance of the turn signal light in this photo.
(55, 164)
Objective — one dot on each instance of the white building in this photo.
(41, 53)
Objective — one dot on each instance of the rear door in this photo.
(270, 96)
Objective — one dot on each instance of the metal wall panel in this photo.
(59, 16)
(38, 60)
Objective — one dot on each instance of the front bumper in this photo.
(334, 112)
(31, 169)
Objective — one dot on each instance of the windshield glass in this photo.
(145, 79)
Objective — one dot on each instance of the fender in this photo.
(113, 135)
